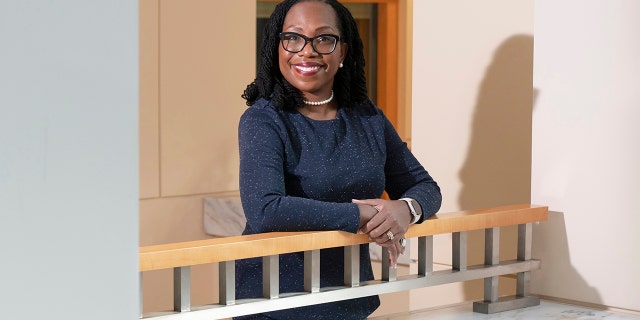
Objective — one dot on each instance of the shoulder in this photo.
(261, 106)
(366, 109)
(261, 118)
(261, 111)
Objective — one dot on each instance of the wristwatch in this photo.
(415, 215)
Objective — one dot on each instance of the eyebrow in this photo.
(298, 28)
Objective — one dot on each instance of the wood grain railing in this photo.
(224, 251)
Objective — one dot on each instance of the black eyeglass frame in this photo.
(307, 40)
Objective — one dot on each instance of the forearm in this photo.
(285, 213)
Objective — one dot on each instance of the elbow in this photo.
(434, 202)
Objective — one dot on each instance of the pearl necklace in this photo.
(318, 103)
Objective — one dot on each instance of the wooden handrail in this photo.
(266, 244)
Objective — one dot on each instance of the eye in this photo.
(324, 38)
(291, 37)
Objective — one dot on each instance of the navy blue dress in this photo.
(299, 174)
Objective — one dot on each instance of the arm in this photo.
(263, 141)
(407, 178)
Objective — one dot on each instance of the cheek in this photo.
(283, 60)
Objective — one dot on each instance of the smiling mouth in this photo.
(308, 69)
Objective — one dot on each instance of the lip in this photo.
(307, 68)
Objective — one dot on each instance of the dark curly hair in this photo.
(350, 87)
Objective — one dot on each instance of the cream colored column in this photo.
(197, 57)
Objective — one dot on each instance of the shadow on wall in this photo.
(497, 170)
(558, 277)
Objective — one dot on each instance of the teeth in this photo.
(308, 69)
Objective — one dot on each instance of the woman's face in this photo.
(310, 72)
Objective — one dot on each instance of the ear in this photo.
(344, 48)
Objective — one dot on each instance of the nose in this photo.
(308, 49)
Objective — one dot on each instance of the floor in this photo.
(545, 311)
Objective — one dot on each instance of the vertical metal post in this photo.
(425, 255)
(270, 276)
(352, 266)
(491, 257)
(227, 282)
(140, 316)
(388, 273)
(182, 289)
(492, 303)
(524, 241)
(312, 271)
(524, 253)
(459, 248)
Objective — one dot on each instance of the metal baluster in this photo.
(459, 247)
(270, 276)
(140, 316)
(388, 273)
(227, 282)
(182, 289)
(352, 265)
(491, 257)
(312, 271)
(524, 253)
(425, 255)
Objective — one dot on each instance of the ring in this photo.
(403, 242)
(390, 235)
(377, 209)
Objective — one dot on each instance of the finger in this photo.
(371, 202)
(393, 256)
(382, 222)
(389, 238)
(375, 227)
(382, 229)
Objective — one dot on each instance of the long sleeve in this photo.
(406, 177)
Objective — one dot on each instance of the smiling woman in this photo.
(311, 142)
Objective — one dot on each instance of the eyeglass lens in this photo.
(294, 42)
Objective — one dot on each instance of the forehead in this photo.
(311, 16)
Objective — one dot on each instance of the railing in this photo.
(224, 251)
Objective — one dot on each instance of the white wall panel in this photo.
(69, 159)
(586, 150)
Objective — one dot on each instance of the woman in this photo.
(311, 144)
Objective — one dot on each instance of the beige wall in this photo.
(197, 56)
(472, 93)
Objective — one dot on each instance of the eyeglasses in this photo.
(322, 44)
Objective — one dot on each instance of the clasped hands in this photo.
(386, 222)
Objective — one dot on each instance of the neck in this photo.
(322, 112)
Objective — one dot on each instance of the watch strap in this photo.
(412, 209)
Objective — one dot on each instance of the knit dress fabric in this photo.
(299, 174)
